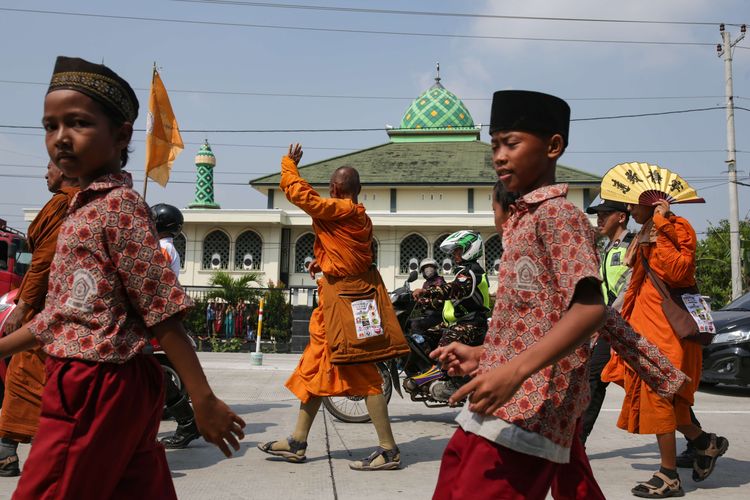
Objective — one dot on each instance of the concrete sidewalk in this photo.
(200, 472)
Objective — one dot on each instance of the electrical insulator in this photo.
(721, 27)
(743, 29)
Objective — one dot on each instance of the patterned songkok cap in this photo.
(96, 81)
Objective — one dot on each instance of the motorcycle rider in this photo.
(168, 220)
(465, 305)
(431, 316)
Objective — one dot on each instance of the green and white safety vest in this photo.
(613, 270)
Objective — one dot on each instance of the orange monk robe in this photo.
(343, 247)
(672, 258)
(26, 377)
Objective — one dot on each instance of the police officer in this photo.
(611, 222)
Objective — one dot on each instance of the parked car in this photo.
(727, 359)
(7, 304)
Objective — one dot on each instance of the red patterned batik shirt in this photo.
(549, 248)
(109, 281)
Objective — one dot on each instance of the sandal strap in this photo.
(295, 446)
(388, 455)
(672, 483)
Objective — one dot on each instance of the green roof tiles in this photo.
(419, 163)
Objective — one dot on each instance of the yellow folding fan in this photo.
(643, 184)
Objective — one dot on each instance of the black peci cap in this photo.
(529, 111)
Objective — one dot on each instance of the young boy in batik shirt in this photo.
(517, 435)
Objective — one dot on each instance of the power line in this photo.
(451, 14)
(358, 31)
(334, 148)
(383, 97)
(380, 129)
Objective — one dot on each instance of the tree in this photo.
(277, 313)
(233, 290)
(714, 270)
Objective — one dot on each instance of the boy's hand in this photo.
(490, 390)
(218, 424)
(15, 318)
(458, 359)
(295, 152)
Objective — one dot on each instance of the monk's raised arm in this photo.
(300, 193)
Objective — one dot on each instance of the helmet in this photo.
(470, 242)
(427, 262)
(168, 219)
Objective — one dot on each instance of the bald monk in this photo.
(26, 377)
(667, 243)
(343, 247)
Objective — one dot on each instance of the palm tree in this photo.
(233, 290)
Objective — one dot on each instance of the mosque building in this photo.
(433, 177)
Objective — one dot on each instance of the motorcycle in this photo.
(433, 390)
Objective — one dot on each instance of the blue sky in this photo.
(376, 76)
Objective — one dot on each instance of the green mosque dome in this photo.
(437, 107)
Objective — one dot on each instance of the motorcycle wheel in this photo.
(352, 409)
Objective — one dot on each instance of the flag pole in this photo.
(145, 176)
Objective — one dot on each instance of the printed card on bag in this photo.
(367, 318)
(700, 311)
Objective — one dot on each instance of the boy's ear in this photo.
(555, 146)
(124, 134)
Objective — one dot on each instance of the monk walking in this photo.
(664, 248)
(343, 247)
(26, 377)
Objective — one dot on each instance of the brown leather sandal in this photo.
(669, 488)
(295, 453)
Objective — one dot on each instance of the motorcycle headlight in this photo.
(731, 337)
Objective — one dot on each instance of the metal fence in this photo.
(296, 295)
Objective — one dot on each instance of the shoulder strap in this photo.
(659, 284)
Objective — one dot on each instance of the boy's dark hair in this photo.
(503, 197)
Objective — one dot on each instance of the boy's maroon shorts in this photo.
(97, 433)
(474, 467)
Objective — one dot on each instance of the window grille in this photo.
(180, 244)
(216, 242)
(375, 251)
(412, 247)
(248, 243)
(302, 249)
(438, 254)
(494, 250)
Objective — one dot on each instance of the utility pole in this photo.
(724, 50)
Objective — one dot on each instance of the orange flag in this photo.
(163, 140)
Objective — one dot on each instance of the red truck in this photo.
(14, 258)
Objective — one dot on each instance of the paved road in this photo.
(200, 472)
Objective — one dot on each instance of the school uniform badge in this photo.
(83, 289)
